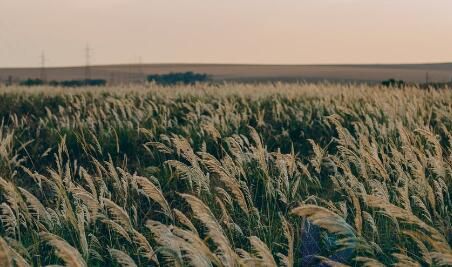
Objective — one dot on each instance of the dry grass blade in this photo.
(195, 246)
(10, 193)
(369, 262)
(154, 193)
(441, 259)
(437, 239)
(9, 220)
(405, 261)
(325, 219)
(289, 234)
(184, 220)
(88, 199)
(170, 247)
(117, 228)
(122, 258)
(231, 183)
(144, 248)
(119, 215)
(64, 251)
(330, 263)
(214, 230)
(36, 206)
(5, 255)
(261, 250)
(9, 256)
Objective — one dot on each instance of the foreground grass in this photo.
(283, 175)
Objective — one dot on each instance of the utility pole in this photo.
(43, 67)
(130, 73)
(140, 70)
(88, 62)
(427, 78)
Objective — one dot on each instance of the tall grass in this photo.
(229, 175)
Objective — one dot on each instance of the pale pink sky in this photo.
(225, 31)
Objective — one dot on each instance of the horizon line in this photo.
(229, 64)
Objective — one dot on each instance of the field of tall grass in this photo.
(226, 175)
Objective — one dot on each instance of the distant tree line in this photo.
(32, 82)
(66, 83)
(393, 83)
(79, 83)
(172, 78)
(178, 78)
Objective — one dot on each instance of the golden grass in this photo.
(225, 175)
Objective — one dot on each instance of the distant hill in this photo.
(247, 73)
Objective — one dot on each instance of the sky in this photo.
(225, 31)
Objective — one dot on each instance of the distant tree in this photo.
(32, 82)
(393, 83)
(96, 82)
(79, 83)
(9, 81)
(54, 83)
(178, 78)
(72, 83)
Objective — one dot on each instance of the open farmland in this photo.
(229, 175)
(118, 74)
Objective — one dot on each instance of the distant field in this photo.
(249, 73)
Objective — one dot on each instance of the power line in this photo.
(43, 67)
(140, 69)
